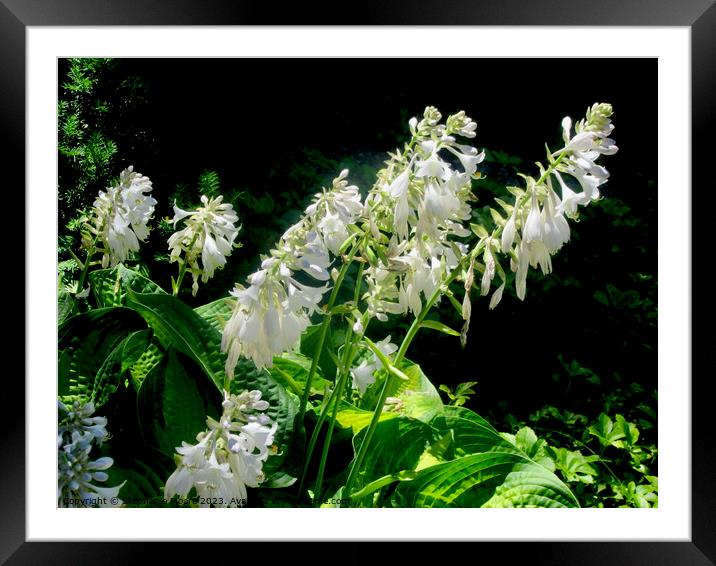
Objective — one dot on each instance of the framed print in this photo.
(254, 300)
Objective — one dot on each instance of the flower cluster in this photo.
(272, 312)
(229, 456)
(121, 215)
(364, 374)
(209, 232)
(78, 432)
(421, 200)
(537, 227)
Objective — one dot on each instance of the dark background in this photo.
(253, 120)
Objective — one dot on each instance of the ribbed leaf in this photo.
(174, 401)
(397, 445)
(493, 479)
(175, 324)
(291, 370)
(65, 304)
(90, 365)
(134, 347)
(283, 409)
(109, 375)
(471, 433)
(488, 471)
(417, 397)
(350, 416)
(109, 286)
(150, 358)
(144, 475)
(217, 313)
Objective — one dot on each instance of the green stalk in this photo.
(182, 270)
(410, 335)
(358, 462)
(349, 352)
(85, 270)
(324, 411)
(314, 437)
(177, 285)
(324, 329)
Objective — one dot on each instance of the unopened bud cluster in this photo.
(78, 432)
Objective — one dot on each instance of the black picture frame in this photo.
(698, 15)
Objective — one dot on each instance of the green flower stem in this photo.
(358, 462)
(349, 352)
(85, 269)
(177, 285)
(345, 365)
(324, 328)
(412, 332)
(182, 270)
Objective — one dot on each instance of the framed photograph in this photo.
(254, 293)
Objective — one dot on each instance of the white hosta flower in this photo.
(364, 374)
(570, 200)
(270, 315)
(358, 326)
(582, 150)
(489, 273)
(333, 211)
(229, 456)
(267, 319)
(121, 215)
(334, 231)
(532, 230)
(433, 167)
(555, 226)
(509, 231)
(313, 257)
(469, 157)
(209, 232)
(399, 191)
(497, 296)
(78, 431)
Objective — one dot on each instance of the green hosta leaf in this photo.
(177, 325)
(174, 401)
(109, 375)
(145, 474)
(350, 416)
(574, 466)
(65, 304)
(416, 398)
(483, 469)
(280, 469)
(109, 286)
(134, 347)
(397, 447)
(89, 343)
(492, 479)
(147, 361)
(291, 370)
(471, 433)
(217, 313)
